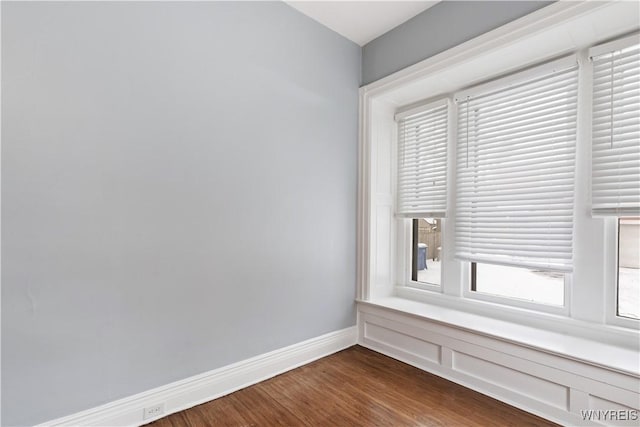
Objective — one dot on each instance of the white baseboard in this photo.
(210, 385)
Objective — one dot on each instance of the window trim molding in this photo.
(528, 25)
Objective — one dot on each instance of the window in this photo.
(616, 158)
(426, 250)
(515, 174)
(629, 267)
(515, 171)
(543, 279)
(422, 185)
(524, 284)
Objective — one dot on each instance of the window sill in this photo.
(557, 340)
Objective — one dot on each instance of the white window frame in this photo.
(583, 312)
(611, 276)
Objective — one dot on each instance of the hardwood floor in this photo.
(355, 387)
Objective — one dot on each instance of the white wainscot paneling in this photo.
(411, 346)
(512, 380)
(613, 413)
(550, 385)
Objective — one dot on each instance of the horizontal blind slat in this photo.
(616, 132)
(515, 169)
(422, 156)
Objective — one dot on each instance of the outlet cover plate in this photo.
(153, 411)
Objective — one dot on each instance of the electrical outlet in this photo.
(153, 411)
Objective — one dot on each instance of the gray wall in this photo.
(437, 29)
(163, 166)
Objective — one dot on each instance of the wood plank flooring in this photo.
(355, 387)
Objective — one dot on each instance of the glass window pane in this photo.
(629, 267)
(543, 287)
(427, 263)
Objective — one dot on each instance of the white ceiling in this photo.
(361, 21)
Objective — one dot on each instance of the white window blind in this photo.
(422, 162)
(615, 152)
(515, 168)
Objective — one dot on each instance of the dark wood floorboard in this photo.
(355, 387)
